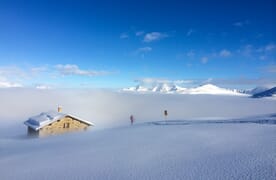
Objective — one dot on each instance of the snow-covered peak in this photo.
(212, 89)
(141, 88)
(257, 90)
(137, 88)
(164, 88)
(207, 87)
(172, 88)
(268, 93)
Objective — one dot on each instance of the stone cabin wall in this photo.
(66, 124)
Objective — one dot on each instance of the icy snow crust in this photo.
(145, 151)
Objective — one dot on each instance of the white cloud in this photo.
(189, 33)
(144, 50)
(38, 70)
(266, 48)
(253, 82)
(270, 47)
(15, 76)
(154, 36)
(204, 60)
(7, 84)
(36, 77)
(241, 23)
(43, 86)
(16, 72)
(260, 35)
(72, 69)
(139, 33)
(12, 71)
(262, 57)
(270, 69)
(155, 81)
(148, 80)
(124, 36)
(247, 50)
(11, 75)
(225, 53)
(209, 80)
(152, 81)
(183, 81)
(261, 52)
(191, 53)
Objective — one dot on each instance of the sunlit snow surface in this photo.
(203, 137)
(206, 150)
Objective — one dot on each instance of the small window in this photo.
(66, 125)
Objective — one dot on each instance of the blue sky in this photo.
(115, 44)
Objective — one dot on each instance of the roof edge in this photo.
(37, 127)
(31, 126)
(80, 119)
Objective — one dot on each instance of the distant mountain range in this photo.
(174, 89)
(267, 93)
(167, 88)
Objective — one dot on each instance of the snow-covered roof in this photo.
(45, 118)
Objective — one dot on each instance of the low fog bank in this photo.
(107, 108)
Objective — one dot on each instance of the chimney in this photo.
(59, 109)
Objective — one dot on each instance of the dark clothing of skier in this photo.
(131, 119)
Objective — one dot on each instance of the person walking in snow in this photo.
(131, 119)
(165, 114)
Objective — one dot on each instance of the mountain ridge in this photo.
(267, 93)
(167, 88)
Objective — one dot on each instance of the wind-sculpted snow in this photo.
(145, 151)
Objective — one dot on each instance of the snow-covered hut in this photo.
(52, 122)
